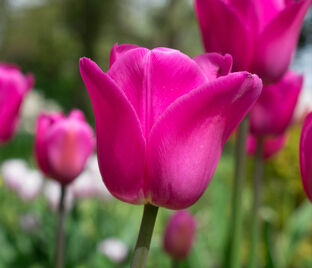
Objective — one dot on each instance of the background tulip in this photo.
(271, 145)
(179, 234)
(13, 87)
(162, 119)
(260, 35)
(63, 145)
(273, 112)
(305, 150)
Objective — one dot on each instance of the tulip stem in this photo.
(145, 236)
(255, 223)
(60, 241)
(238, 185)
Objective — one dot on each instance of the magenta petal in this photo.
(278, 41)
(119, 50)
(305, 154)
(274, 110)
(152, 80)
(214, 64)
(120, 142)
(224, 31)
(186, 143)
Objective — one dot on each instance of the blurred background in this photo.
(47, 38)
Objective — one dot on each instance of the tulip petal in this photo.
(273, 112)
(277, 43)
(119, 50)
(185, 144)
(305, 155)
(69, 144)
(120, 142)
(156, 79)
(224, 31)
(214, 65)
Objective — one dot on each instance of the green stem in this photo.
(255, 223)
(239, 180)
(60, 241)
(145, 236)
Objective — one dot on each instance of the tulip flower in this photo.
(273, 112)
(13, 88)
(179, 235)
(63, 145)
(271, 145)
(162, 119)
(260, 35)
(305, 150)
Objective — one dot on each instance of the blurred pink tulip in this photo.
(13, 88)
(305, 155)
(274, 110)
(162, 119)
(271, 145)
(179, 234)
(261, 35)
(63, 145)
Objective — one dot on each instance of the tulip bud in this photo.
(13, 88)
(63, 145)
(179, 234)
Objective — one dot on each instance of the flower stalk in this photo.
(145, 236)
(60, 238)
(239, 180)
(255, 223)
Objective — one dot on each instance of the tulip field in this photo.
(162, 133)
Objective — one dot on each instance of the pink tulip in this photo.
(179, 235)
(305, 155)
(273, 112)
(271, 145)
(261, 35)
(162, 119)
(63, 145)
(13, 88)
